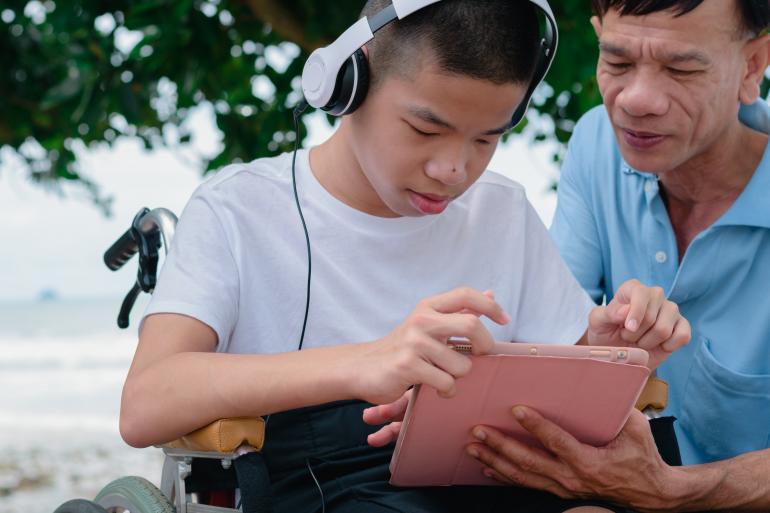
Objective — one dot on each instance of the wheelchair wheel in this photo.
(134, 494)
(80, 506)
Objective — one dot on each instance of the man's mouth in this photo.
(641, 140)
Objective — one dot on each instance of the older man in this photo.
(669, 182)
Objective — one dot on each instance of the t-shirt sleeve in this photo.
(199, 277)
(552, 306)
(574, 227)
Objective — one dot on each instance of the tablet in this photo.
(588, 391)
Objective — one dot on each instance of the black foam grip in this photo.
(121, 251)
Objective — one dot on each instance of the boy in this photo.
(398, 212)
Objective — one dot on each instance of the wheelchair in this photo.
(201, 470)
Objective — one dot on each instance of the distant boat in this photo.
(48, 295)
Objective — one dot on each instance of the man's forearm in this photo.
(738, 484)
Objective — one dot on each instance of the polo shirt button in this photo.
(648, 187)
(661, 257)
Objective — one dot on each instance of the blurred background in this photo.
(110, 106)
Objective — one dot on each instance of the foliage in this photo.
(89, 72)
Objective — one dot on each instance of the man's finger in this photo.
(553, 438)
(525, 457)
(640, 299)
(507, 472)
(663, 328)
(680, 337)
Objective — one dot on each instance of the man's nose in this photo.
(644, 95)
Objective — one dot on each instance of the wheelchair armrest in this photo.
(224, 436)
(654, 395)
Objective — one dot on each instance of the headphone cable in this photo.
(298, 110)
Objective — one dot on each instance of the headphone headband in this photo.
(333, 78)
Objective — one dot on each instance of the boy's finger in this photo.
(464, 326)
(466, 298)
(385, 435)
(386, 412)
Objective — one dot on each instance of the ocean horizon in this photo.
(62, 367)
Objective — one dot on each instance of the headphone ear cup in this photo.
(351, 86)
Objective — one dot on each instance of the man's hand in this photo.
(640, 316)
(628, 471)
(416, 352)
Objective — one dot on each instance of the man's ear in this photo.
(596, 23)
(365, 49)
(757, 55)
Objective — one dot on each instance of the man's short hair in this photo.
(754, 14)
(493, 40)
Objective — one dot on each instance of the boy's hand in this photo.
(393, 414)
(640, 316)
(417, 351)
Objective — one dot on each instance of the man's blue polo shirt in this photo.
(611, 225)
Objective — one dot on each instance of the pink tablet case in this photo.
(589, 398)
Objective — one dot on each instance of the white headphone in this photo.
(336, 77)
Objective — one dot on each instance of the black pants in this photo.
(323, 450)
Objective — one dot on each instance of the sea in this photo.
(62, 367)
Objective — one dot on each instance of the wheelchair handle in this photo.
(149, 230)
(121, 251)
(146, 222)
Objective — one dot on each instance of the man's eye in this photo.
(682, 72)
(618, 66)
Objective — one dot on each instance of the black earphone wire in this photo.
(298, 110)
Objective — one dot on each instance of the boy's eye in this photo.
(422, 133)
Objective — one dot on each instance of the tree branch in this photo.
(283, 21)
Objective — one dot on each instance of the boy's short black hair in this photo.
(494, 40)
(754, 14)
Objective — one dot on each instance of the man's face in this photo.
(671, 84)
(422, 141)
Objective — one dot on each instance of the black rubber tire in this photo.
(135, 494)
(80, 506)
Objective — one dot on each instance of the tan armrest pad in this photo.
(654, 395)
(224, 435)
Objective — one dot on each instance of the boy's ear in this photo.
(757, 55)
(596, 23)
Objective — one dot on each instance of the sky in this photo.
(56, 241)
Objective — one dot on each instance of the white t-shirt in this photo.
(238, 262)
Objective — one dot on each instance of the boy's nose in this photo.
(447, 171)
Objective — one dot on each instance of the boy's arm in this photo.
(176, 384)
